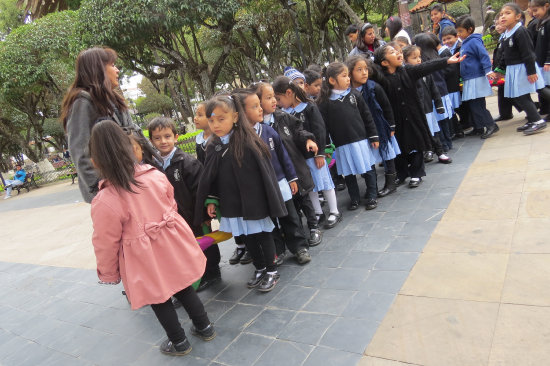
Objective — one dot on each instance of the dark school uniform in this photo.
(183, 173)
(290, 225)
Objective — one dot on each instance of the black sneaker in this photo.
(353, 205)
(237, 255)
(428, 156)
(269, 281)
(524, 127)
(247, 258)
(535, 127)
(491, 130)
(207, 282)
(180, 349)
(315, 237)
(336, 218)
(371, 204)
(206, 334)
(256, 278)
(302, 256)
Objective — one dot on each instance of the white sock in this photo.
(314, 197)
(415, 179)
(330, 196)
(272, 273)
(539, 122)
(241, 246)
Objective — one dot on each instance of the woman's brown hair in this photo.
(90, 77)
(113, 156)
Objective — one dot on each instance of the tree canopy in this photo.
(186, 50)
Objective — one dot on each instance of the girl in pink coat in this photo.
(139, 238)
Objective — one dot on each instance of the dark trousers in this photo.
(464, 114)
(410, 165)
(526, 103)
(213, 257)
(336, 178)
(262, 249)
(544, 105)
(370, 182)
(436, 144)
(289, 231)
(481, 117)
(445, 133)
(168, 318)
(389, 166)
(505, 104)
(303, 203)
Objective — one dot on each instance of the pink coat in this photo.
(141, 239)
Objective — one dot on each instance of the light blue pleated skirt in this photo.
(239, 226)
(285, 189)
(476, 88)
(517, 84)
(392, 151)
(456, 99)
(448, 105)
(321, 177)
(355, 158)
(545, 76)
(432, 123)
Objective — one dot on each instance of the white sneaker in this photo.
(7, 197)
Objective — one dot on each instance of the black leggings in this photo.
(262, 249)
(168, 318)
(481, 117)
(526, 103)
(303, 203)
(370, 182)
(289, 231)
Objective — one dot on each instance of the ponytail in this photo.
(331, 71)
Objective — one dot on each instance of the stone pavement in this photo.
(479, 294)
(441, 298)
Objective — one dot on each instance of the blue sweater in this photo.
(477, 62)
(279, 157)
(444, 23)
(20, 175)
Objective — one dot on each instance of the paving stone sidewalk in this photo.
(324, 313)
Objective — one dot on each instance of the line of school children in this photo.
(260, 169)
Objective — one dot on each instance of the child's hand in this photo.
(492, 75)
(211, 209)
(532, 78)
(455, 58)
(311, 146)
(546, 67)
(319, 161)
(375, 144)
(293, 187)
(392, 133)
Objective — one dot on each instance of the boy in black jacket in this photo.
(183, 171)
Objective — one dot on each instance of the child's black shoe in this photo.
(315, 237)
(256, 278)
(247, 258)
(180, 349)
(237, 255)
(269, 281)
(371, 204)
(206, 334)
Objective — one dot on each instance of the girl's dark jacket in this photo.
(294, 138)
(312, 121)
(249, 190)
(382, 113)
(428, 92)
(451, 72)
(411, 128)
(348, 119)
(184, 173)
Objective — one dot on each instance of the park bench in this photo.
(27, 184)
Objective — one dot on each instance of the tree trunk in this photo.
(344, 6)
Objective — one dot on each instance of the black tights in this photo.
(262, 249)
(168, 318)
